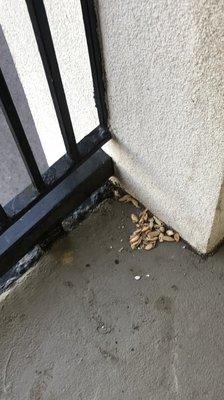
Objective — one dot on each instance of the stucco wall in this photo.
(164, 66)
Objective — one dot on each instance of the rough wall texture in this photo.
(217, 232)
(164, 65)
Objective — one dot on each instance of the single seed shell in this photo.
(134, 202)
(136, 244)
(134, 218)
(145, 217)
(143, 212)
(168, 238)
(125, 198)
(161, 236)
(162, 229)
(153, 234)
(150, 246)
(157, 221)
(145, 228)
(151, 223)
(169, 232)
(136, 232)
(128, 198)
(146, 232)
(134, 239)
(141, 220)
(176, 237)
(153, 239)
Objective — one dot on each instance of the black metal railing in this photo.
(39, 208)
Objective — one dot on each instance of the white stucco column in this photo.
(165, 80)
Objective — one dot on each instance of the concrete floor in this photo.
(79, 326)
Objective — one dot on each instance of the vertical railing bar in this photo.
(92, 37)
(45, 44)
(19, 135)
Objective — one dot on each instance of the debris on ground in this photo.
(127, 198)
(150, 230)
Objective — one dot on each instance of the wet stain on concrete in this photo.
(40, 384)
(164, 304)
(108, 355)
(69, 284)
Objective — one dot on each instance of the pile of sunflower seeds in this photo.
(149, 229)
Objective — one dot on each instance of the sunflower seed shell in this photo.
(125, 198)
(169, 232)
(134, 218)
(150, 246)
(153, 234)
(176, 237)
(157, 221)
(168, 238)
(134, 202)
(161, 236)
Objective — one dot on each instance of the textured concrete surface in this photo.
(79, 326)
(163, 62)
